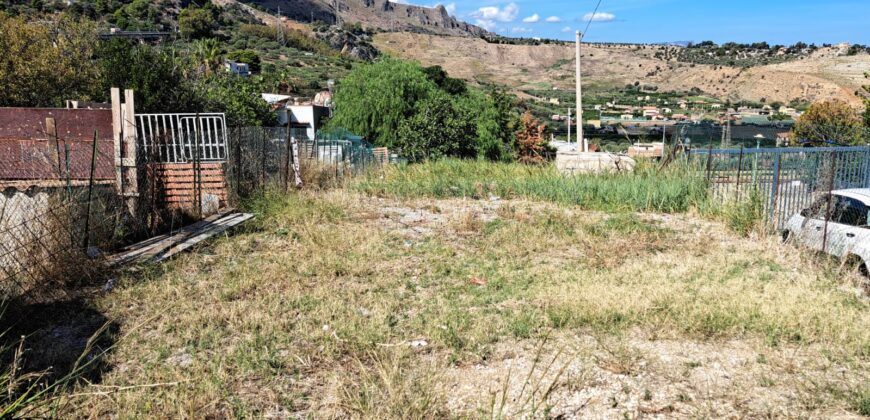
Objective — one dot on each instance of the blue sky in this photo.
(774, 21)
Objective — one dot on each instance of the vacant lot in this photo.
(340, 303)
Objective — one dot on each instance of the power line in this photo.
(591, 17)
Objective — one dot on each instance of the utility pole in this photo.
(581, 142)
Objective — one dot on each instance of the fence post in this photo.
(709, 161)
(129, 160)
(774, 188)
(117, 136)
(263, 161)
(90, 192)
(238, 168)
(285, 176)
(830, 199)
(867, 168)
(197, 169)
(739, 168)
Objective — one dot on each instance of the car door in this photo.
(813, 230)
(848, 226)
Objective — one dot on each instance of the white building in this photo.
(237, 68)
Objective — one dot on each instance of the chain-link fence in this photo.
(264, 157)
(58, 211)
(784, 181)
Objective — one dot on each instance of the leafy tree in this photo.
(238, 97)
(44, 63)
(138, 14)
(249, 57)
(833, 121)
(374, 99)
(196, 22)
(445, 82)
(495, 122)
(437, 129)
(157, 76)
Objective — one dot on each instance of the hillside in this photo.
(821, 75)
(373, 14)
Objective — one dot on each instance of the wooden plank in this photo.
(159, 243)
(215, 228)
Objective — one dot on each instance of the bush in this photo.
(196, 22)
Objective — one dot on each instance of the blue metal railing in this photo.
(785, 179)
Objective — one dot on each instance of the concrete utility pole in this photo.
(581, 142)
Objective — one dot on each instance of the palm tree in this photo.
(208, 55)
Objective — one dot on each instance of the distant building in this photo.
(237, 68)
(304, 119)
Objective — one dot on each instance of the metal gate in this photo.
(184, 156)
(180, 138)
(785, 179)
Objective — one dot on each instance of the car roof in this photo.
(862, 194)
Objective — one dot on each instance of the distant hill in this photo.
(825, 73)
(373, 14)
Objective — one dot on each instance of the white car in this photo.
(846, 233)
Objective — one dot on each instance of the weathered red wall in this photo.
(29, 152)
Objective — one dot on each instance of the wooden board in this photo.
(163, 247)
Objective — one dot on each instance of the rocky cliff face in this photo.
(376, 14)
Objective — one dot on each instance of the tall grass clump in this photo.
(671, 190)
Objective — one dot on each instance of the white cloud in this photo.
(554, 19)
(451, 8)
(567, 29)
(532, 19)
(488, 17)
(521, 30)
(599, 17)
(494, 13)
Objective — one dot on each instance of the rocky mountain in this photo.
(374, 14)
(823, 74)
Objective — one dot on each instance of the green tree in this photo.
(495, 122)
(138, 14)
(445, 82)
(831, 121)
(196, 22)
(239, 98)
(437, 129)
(157, 76)
(374, 99)
(249, 57)
(44, 63)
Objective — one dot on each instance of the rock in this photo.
(183, 360)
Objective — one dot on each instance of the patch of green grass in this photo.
(861, 402)
(646, 189)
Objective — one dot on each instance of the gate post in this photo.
(117, 135)
(129, 161)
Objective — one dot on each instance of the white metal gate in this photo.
(179, 138)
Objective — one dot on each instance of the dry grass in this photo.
(340, 305)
